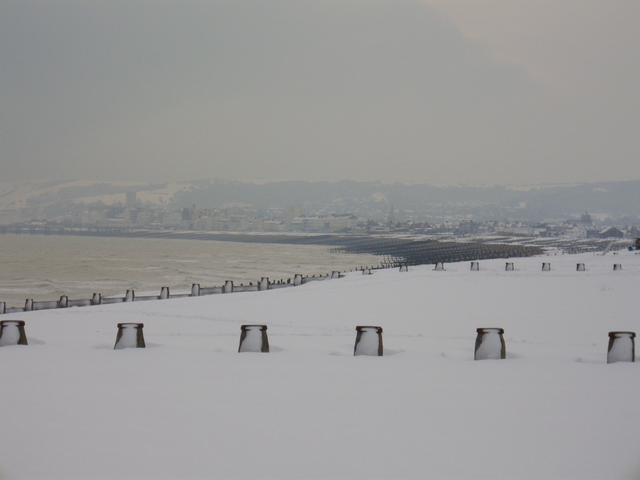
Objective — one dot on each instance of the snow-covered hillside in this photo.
(190, 406)
(16, 195)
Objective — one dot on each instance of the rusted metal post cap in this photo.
(490, 344)
(622, 347)
(129, 336)
(253, 338)
(12, 333)
(368, 341)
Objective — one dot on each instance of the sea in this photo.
(45, 267)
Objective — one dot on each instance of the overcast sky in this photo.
(423, 91)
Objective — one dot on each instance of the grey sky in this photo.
(433, 91)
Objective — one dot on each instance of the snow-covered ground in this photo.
(190, 406)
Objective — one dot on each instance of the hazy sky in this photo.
(423, 91)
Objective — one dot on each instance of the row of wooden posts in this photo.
(196, 291)
(509, 267)
(228, 287)
(490, 344)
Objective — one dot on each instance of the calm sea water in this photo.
(44, 267)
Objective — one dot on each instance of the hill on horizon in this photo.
(613, 200)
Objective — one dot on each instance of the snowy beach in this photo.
(190, 406)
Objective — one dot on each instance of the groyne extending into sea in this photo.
(165, 293)
(393, 250)
(386, 252)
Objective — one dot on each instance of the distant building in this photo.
(585, 219)
(342, 223)
(466, 227)
(131, 199)
(272, 226)
(171, 219)
(634, 232)
(392, 216)
(294, 212)
(144, 217)
(611, 232)
(309, 224)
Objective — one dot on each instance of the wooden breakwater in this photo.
(165, 293)
(394, 250)
(129, 232)
(421, 252)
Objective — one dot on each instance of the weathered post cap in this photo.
(361, 327)
(490, 329)
(251, 327)
(620, 334)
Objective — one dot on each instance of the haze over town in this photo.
(440, 92)
(577, 211)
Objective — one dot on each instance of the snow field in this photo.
(190, 406)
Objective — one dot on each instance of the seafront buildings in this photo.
(127, 211)
(294, 220)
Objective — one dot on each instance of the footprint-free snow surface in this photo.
(190, 406)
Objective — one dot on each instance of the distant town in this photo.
(131, 215)
(609, 211)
